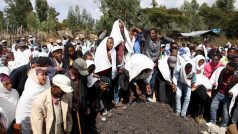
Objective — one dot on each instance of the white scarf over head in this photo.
(183, 75)
(165, 70)
(118, 38)
(234, 91)
(8, 104)
(138, 63)
(195, 61)
(101, 59)
(31, 90)
(90, 79)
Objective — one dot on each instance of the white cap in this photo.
(4, 41)
(63, 83)
(58, 41)
(56, 48)
(89, 63)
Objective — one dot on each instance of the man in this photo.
(138, 35)
(123, 45)
(19, 75)
(57, 59)
(226, 80)
(51, 110)
(80, 101)
(231, 52)
(152, 50)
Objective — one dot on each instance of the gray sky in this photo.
(62, 6)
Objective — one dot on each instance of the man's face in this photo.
(174, 52)
(229, 70)
(41, 76)
(57, 92)
(58, 55)
(153, 35)
(121, 26)
(230, 54)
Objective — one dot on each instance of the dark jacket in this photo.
(19, 77)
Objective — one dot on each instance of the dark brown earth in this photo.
(147, 118)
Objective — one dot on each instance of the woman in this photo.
(198, 64)
(210, 67)
(36, 83)
(103, 63)
(69, 55)
(8, 100)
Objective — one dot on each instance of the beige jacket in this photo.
(42, 113)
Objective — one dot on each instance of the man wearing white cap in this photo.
(57, 59)
(51, 110)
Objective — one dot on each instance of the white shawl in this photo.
(165, 71)
(215, 76)
(101, 59)
(137, 63)
(31, 90)
(183, 75)
(8, 104)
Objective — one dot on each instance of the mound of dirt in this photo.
(147, 118)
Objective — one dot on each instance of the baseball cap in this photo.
(81, 65)
(63, 83)
(56, 48)
(172, 61)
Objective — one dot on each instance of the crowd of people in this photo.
(62, 87)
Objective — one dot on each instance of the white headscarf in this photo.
(31, 90)
(101, 59)
(138, 63)
(184, 77)
(165, 70)
(8, 104)
(195, 61)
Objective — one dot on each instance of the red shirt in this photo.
(224, 88)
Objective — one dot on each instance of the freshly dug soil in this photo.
(147, 118)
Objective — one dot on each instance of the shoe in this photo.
(104, 112)
(150, 99)
(103, 118)
(210, 124)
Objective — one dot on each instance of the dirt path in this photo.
(148, 118)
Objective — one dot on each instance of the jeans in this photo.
(234, 118)
(116, 90)
(214, 107)
(186, 92)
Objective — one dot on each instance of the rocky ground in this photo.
(148, 118)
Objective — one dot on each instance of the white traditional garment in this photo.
(90, 79)
(234, 91)
(184, 77)
(8, 104)
(187, 51)
(203, 80)
(165, 70)
(138, 63)
(31, 90)
(195, 61)
(118, 38)
(5, 70)
(22, 58)
(215, 76)
(101, 59)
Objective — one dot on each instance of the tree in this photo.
(226, 5)
(17, 11)
(32, 22)
(1, 21)
(42, 9)
(191, 11)
(51, 24)
(72, 20)
(154, 3)
(126, 10)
